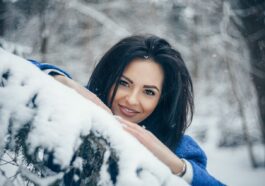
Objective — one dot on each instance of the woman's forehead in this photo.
(145, 71)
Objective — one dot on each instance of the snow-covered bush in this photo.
(51, 135)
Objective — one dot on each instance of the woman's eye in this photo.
(150, 92)
(123, 83)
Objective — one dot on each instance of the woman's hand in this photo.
(162, 152)
(81, 90)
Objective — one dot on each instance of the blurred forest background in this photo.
(222, 42)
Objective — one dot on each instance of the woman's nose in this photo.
(132, 98)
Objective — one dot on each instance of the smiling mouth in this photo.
(127, 112)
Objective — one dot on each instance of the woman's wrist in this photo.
(177, 166)
(183, 169)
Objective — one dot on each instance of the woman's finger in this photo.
(130, 124)
(140, 136)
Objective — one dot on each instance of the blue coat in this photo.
(187, 149)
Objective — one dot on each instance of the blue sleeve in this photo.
(45, 66)
(189, 150)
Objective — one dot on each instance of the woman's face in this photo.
(139, 90)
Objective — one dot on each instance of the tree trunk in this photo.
(44, 37)
(252, 15)
(241, 114)
(2, 18)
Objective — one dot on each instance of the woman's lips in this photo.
(127, 112)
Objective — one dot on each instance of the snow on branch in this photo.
(51, 135)
(14, 48)
(100, 17)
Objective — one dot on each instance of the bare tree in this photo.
(2, 17)
(252, 16)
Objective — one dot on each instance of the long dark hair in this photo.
(170, 119)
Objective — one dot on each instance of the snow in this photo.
(232, 166)
(60, 117)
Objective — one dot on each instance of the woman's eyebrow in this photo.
(127, 79)
(145, 86)
(152, 86)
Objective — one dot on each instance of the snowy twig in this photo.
(100, 17)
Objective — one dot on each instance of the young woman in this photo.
(145, 82)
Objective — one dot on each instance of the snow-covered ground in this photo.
(232, 166)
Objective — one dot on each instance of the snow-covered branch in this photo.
(100, 17)
(60, 137)
(15, 48)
